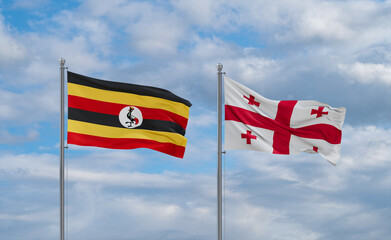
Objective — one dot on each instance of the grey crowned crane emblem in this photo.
(130, 117)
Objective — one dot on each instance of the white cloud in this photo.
(30, 166)
(28, 107)
(252, 221)
(46, 218)
(11, 49)
(42, 216)
(323, 21)
(204, 118)
(77, 52)
(253, 70)
(368, 146)
(45, 166)
(94, 30)
(210, 15)
(367, 73)
(204, 14)
(8, 138)
(160, 38)
(136, 179)
(349, 23)
(157, 32)
(150, 29)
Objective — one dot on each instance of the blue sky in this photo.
(336, 52)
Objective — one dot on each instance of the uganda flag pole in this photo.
(125, 116)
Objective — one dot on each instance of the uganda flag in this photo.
(125, 116)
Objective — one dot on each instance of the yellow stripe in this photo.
(115, 132)
(128, 99)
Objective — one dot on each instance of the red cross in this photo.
(248, 136)
(251, 100)
(281, 126)
(319, 112)
(282, 137)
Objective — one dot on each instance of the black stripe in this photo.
(125, 87)
(113, 121)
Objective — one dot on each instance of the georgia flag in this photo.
(253, 122)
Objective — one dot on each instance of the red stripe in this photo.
(114, 109)
(249, 118)
(320, 131)
(125, 143)
(284, 112)
(281, 138)
(326, 132)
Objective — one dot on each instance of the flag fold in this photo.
(253, 122)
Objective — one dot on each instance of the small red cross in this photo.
(319, 112)
(248, 136)
(315, 149)
(251, 100)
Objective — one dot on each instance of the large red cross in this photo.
(251, 100)
(248, 136)
(319, 112)
(281, 126)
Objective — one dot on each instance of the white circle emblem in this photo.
(130, 117)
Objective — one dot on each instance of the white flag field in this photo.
(253, 122)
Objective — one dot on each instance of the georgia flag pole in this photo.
(219, 150)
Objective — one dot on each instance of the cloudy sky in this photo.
(336, 52)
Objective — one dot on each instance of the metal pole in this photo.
(219, 151)
(62, 62)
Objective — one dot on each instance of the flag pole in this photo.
(219, 151)
(62, 62)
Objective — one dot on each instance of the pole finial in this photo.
(62, 62)
(219, 67)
